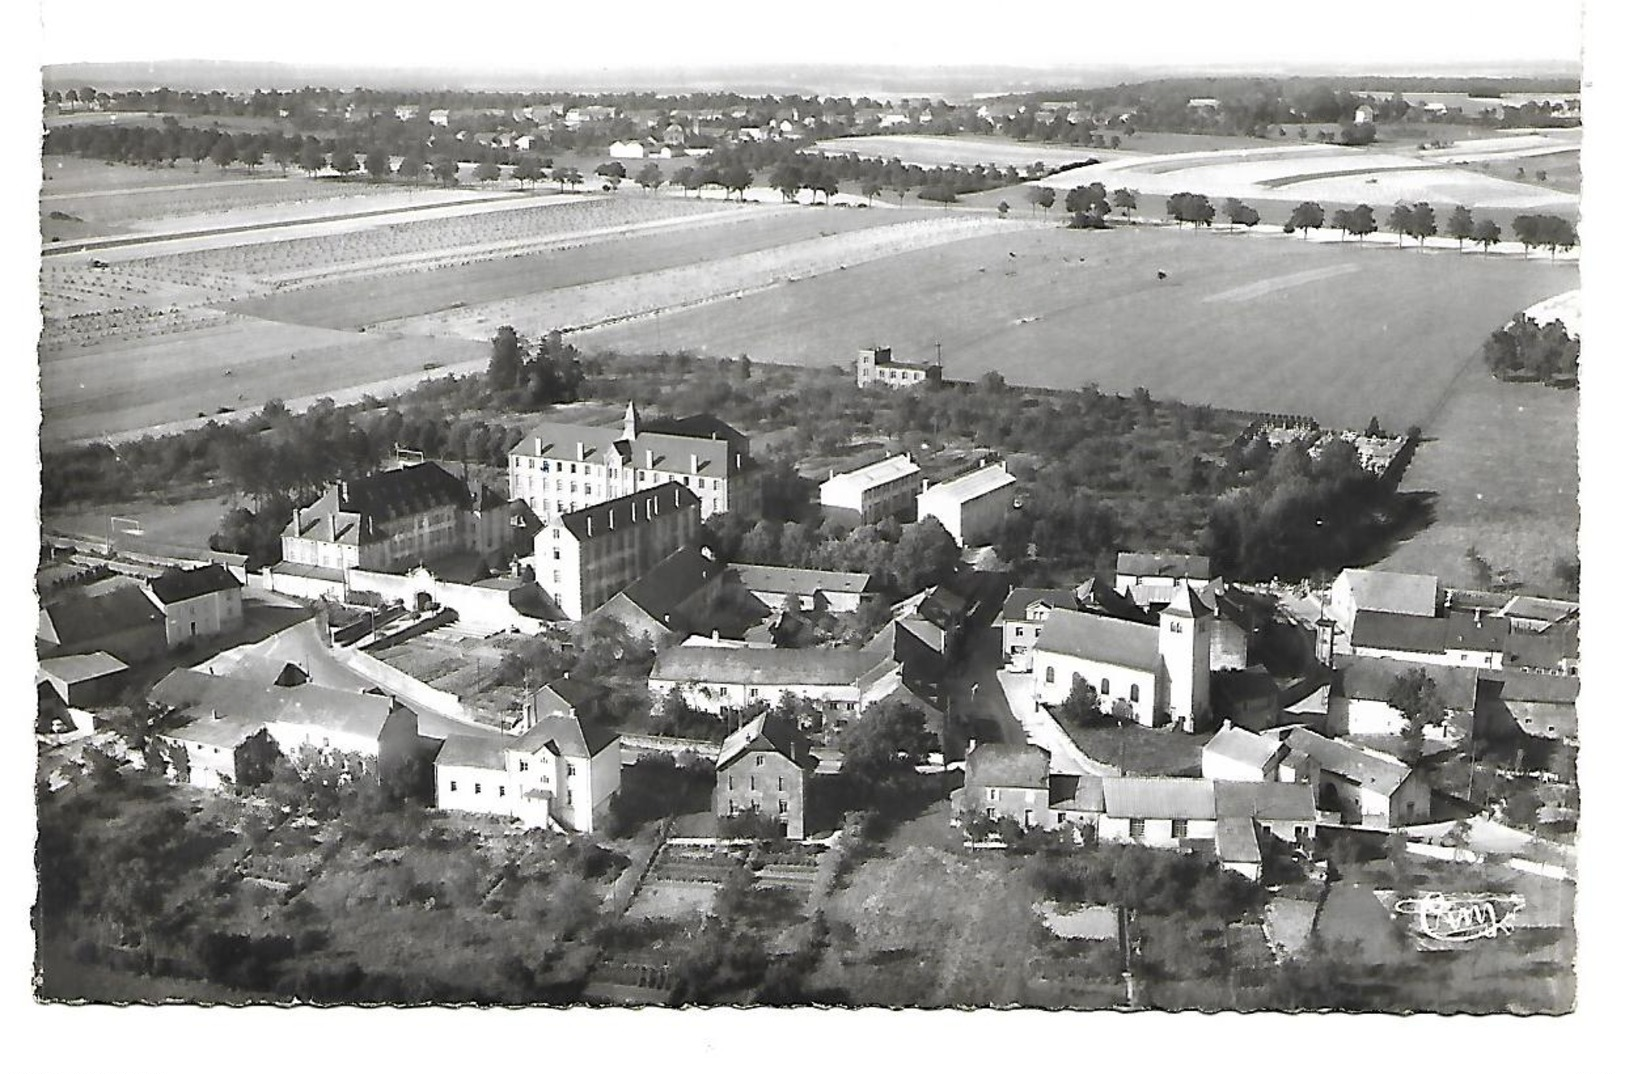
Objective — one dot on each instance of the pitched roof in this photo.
(762, 578)
(1001, 764)
(979, 482)
(1020, 600)
(672, 581)
(1096, 596)
(409, 490)
(473, 751)
(209, 697)
(1159, 798)
(1371, 678)
(174, 586)
(1548, 649)
(1187, 604)
(1083, 793)
(889, 469)
(1096, 637)
(700, 444)
(765, 667)
(1476, 633)
(1263, 800)
(1375, 773)
(1243, 746)
(1542, 689)
(633, 509)
(72, 669)
(1390, 591)
(1399, 632)
(770, 731)
(1236, 839)
(1164, 565)
(75, 618)
(569, 735)
(1544, 609)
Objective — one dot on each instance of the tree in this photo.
(650, 176)
(611, 170)
(1399, 221)
(1082, 704)
(344, 161)
(1004, 208)
(871, 187)
(926, 554)
(1089, 200)
(1460, 225)
(1416, 696)
(1035, 194)
(250, 154)
(377, 164)
(736, 178)
(567, 175)
(507, 359)
(1046, 198)
(1188, 208)
(1558, 233)
(311, 158)
(1307, 216)
(444, 169)
(787, 180)
(1422, 224)
(527, 169)
(1340, 220)
(411, 166)
(686, 177)
(224, 151)
(1486, 233)
(1124, 198)
(888, 740)
(487, 171)
(1362, 221)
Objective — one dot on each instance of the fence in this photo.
(642, 744)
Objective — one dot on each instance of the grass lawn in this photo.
(1251, 322)
(1141, 751)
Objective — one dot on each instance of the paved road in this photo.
(1040, 729)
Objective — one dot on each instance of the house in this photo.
(199, 602)
(440, 117)
(562, 770)
(560, 467)
(1159, 573)
(1158, 811)
(1014, 782)
(1246, 696)
(396, 519)
(233, 722)
(1365, 114)
(123, 622)
(1357, 592)
(1555, 650)
(880, 490)
(1242, 756)
(877, 366)
(838, 592)
(844, 682)
(585, 557)
(1361, 687)
(1151, 673)
(84, 680)
(1459, 639)
(1537, 614)
(1203, 103)
(1022, 618)
(627, 151)
(1367, 788)
(1533, 703)
(670, 601)
(971, 507)
(764, 768)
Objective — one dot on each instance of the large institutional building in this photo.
(560, 467)
(586, 556)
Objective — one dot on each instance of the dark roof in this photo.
(568, 735)
(1085, 794)
(1096, 637)
(219, 697)
(77, 619)
(174, 586)
(630, 510)
(410, 490)
(1019, 600)
(1235, 839)
(999, 764)
(1164, 565)
(1476, 633)
(1243, 689)
(1371, 678)
(1096, 596)
(768, 731)
(1544, 689)
(672, 581)
(473, 751)
(1265, 801)
(1401, 633)
(769, 667)
(1548, 649)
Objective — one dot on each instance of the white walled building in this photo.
(970, 507)
(585, 557)
(884, 489)
(199, 603)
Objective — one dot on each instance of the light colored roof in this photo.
(1159, 798)
(1186, 604)
(1546, 609)
(979, 482)
(761, 578)
(1389, 591)
(673, 452)
(1375, 773)
(1243, 746)
(1001, 764)
(887, 470)
(72, 669)
(1164, 565)
(1096, 637)
(1264, 801)
(210, 698)
(1082, 793)
(764, 667)
(1236, 839)
(1017, 604)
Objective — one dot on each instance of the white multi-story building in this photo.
(585, 557)
(884, 489)
(558, 467)
(972, 506)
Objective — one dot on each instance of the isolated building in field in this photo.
(1151, 673)
(876, 366)
(561, 467)
(880, 490)
(586, 557)
(971, 507)
(198, 603)
(764, 768)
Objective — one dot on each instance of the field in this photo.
(931, 151)
(1246, 321)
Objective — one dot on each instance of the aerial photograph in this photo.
(574, 513)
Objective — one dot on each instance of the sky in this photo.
(1370, 35)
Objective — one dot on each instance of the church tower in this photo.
(1184, 641)
(629, 424)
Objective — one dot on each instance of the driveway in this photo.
(1040, 729)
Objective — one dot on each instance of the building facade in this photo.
(199, 603)
(585, 557)
(764, 768)
(971, 507)
(877, 367)
(881, 490)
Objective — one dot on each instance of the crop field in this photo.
(1248, 321)
(934, 150)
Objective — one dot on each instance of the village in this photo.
(573, 658)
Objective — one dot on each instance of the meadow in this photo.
(1250, 321)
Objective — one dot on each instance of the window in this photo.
(569, 768)
(784, 805)
(524, 766)
(476, 788)
(1021, 632)
(502, 791)
(557, 554)
(1136, 829)
(1134, 691)
(993, 794)
(781, 783)
(452, 785)
(1049, 674)
(1180, 828)
(1175, 628)
(1105, 686)
(753, 783)
(730, 783)
(760, 757)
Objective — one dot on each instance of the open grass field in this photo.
(935, 150)
(1247, 321)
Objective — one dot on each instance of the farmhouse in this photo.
(559, 467)
(396, 519)
(1154, 573)
(1535, 704)
(971, 507)
(844, 682)
(1357, 592)
(123, 622)
(806, 590)
(200, 602)
(884, 489)
(233, 721)
(562, 770)
(587, 556)
(1145, 672)
(669, 601)
(1367, 788)
(627, 151)
(1240, 755)
(764, 768)
(876, 366)
(1361, 686)
(84, 680)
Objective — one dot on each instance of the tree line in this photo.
(1528, 350)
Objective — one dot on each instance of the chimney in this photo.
(612, 518)
(589, 525)
(694, 463)
(581, 451)
(649, 459)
